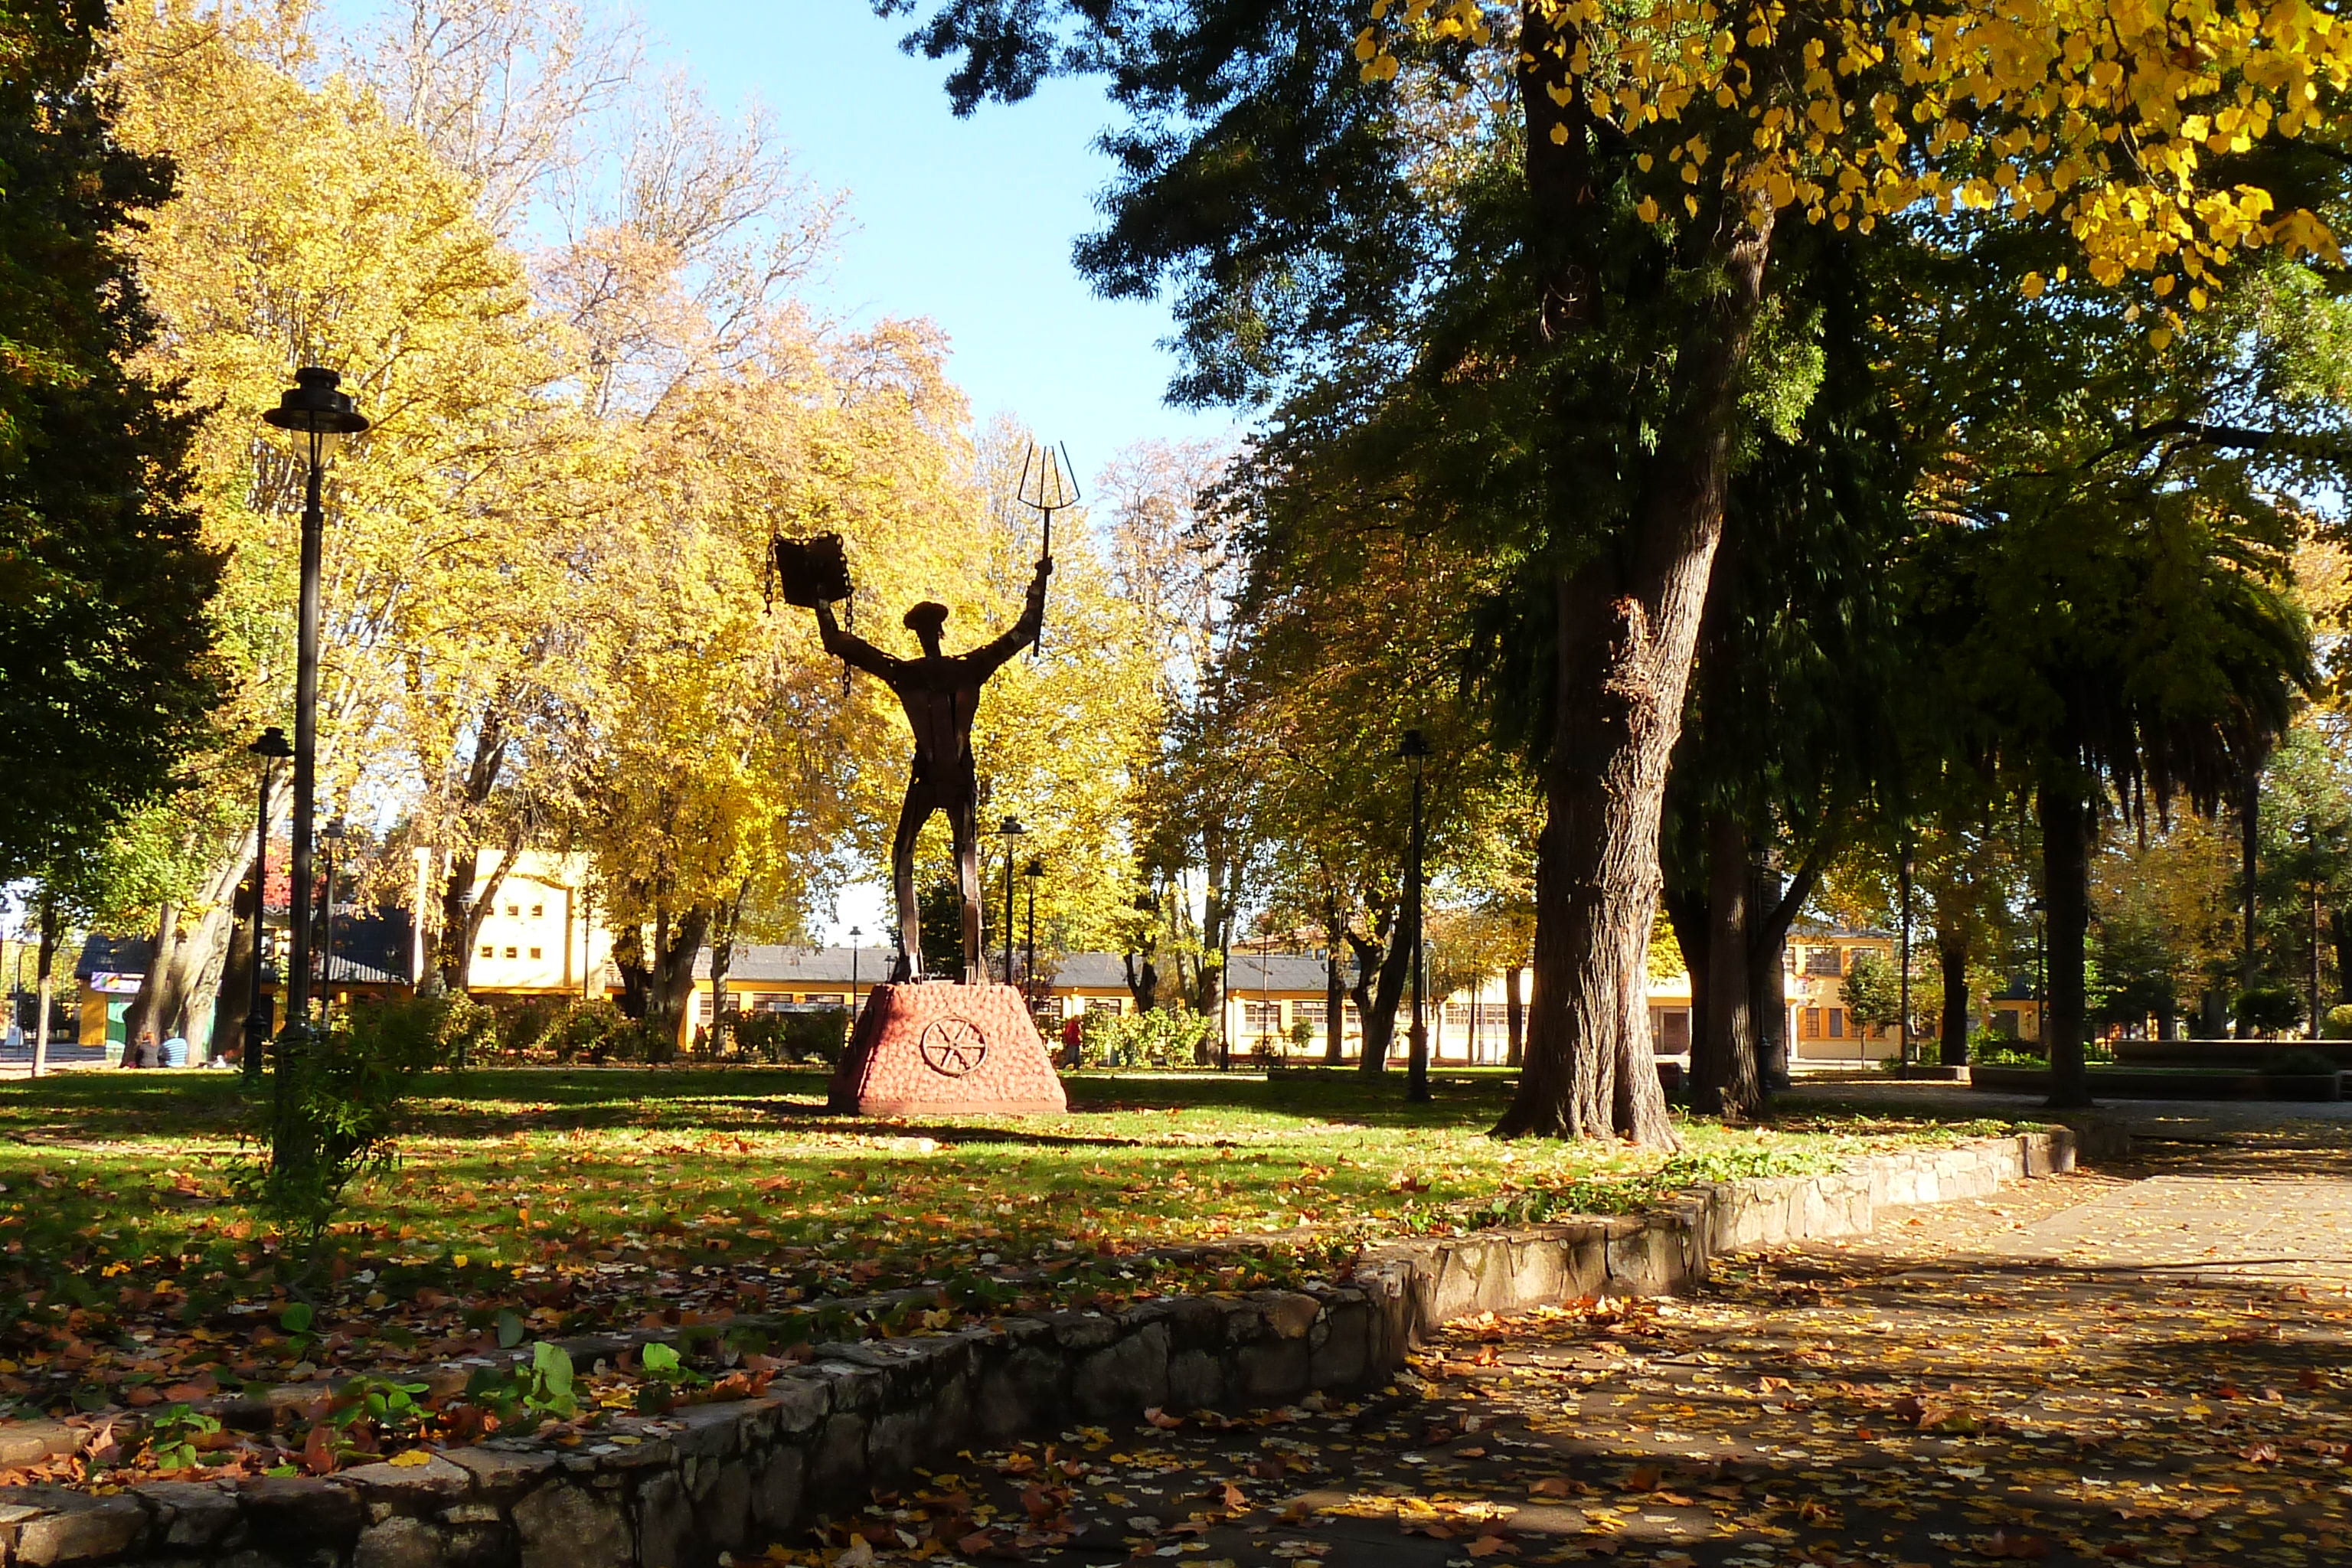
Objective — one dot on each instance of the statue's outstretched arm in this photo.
(991, 654)
(851, 647)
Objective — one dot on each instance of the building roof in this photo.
(794, 965)
(788, 964)
(114, 955)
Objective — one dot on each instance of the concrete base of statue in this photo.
(936, 1048)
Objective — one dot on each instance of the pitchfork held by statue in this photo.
(1050, 484)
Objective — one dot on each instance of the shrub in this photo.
(1302, 1033)
(2269, 1009)
(1160, 1038)
(821, 1033)
(2337, 1023)
(1994, 1049)
(2306, 1062)
(336, 1101)
(584, 1028)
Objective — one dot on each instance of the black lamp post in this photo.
(1032, 873)
(2041, 974)
(1415, 751)
(317, 415)
(272, 749)
(1011, 829)
(334, 833)
(855, 933)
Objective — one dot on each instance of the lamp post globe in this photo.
(317, 414)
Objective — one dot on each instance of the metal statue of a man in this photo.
(940, 694)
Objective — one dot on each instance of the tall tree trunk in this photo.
(465, 906)
(1383, 961)
(1515, 1014)
(1687, 913)
(1142, 980)
(674, 950)
(2066, 894)
(2249, 811)
(1335, 995)
(2340, 931)
(233, 995)
(1730, 1086)
(146, 1010)
(1627, 621)
(723, 926)
(1952, 953)
(52, 931)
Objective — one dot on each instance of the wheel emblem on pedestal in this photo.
(952, 1047)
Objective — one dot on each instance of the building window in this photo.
(511, 953)
(1262, 1017)
(1110, 1004)
(513, 910)
(2005, 1023)
(1837, 1023)
(489, 952)
(1494, 1016)
(538, 911)
(1823, 961)
(827, 1000)
(1813, 1026)
(535, 952)
(1311, 1014)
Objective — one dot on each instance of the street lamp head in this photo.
(1010, 828)
(272, 745)
(1034, 869)
(316, 407)
(856, 932)
(1414, 746)
(336, 831)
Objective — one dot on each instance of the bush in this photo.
(2337, 1023)
(821, 1033)
(2310, 1063)
(1160, 1038)
(1990, 1050)
(336, 1104)
(1302, 1033)
(584, 1028)
(2269, 1009)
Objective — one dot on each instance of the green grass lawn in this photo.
(541, 1202)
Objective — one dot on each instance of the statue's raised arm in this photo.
(991, 656)
(850, 648)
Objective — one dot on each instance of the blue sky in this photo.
(968, 222)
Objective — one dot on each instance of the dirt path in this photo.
(2143, 1366)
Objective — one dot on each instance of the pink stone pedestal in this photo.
(937, 1049)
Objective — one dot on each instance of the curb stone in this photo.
(714, 1479)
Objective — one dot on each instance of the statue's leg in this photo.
(963, 814)
(911, 817)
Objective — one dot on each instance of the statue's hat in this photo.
(930, 615)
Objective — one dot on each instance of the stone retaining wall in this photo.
(678, 1491)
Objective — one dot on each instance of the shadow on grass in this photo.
(105, 1105)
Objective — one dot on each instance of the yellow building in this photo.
(539, 937)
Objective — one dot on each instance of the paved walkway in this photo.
(2149, 1366)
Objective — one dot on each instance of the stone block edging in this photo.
(680, 1491)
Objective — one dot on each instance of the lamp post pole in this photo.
(1032, 873)
(1414, 750)
(271, 748)
(334, 834)
(1011, 829)
(316, 413)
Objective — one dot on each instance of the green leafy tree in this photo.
(106, 663)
